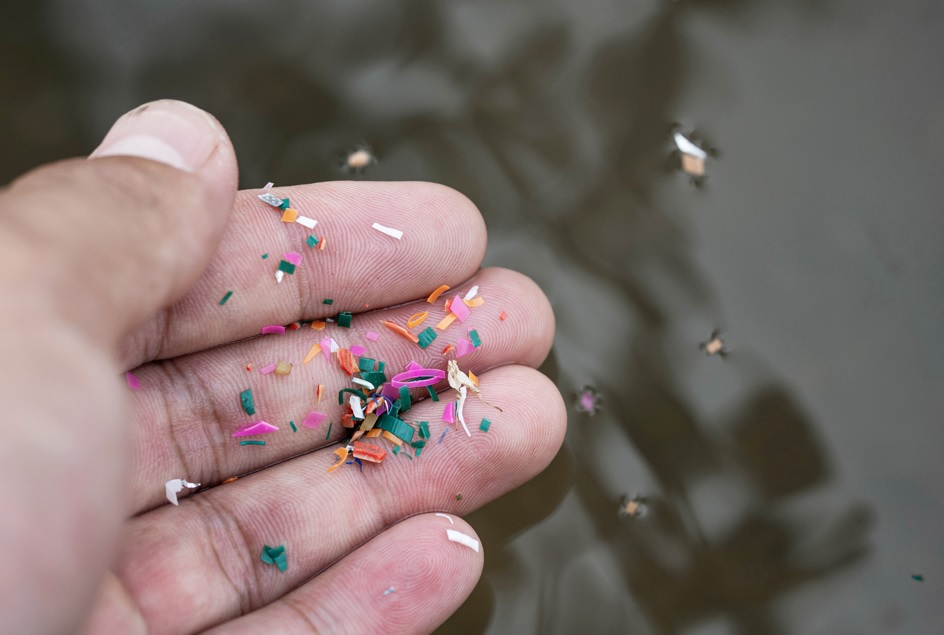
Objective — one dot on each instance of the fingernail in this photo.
(171, 132)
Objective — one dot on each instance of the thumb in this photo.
(113, 239)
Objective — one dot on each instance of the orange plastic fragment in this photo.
(446, 321)
(357, 435)
(474, 302)
(448, 303)
(346, 359)
(502, 316)
(342, 454)
(392, 439)
(347, 420)
(373, 434)
(448, 349)
(229, 480)
(321, 243)
(369, 452)
(438, 292)
(399, 330)
(416, 319)
(311, 354)
(371, 406)
(318, 324)
(473, 378)
(249, 367)
(290, 215)
(320, 392)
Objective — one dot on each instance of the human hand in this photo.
(118, 263)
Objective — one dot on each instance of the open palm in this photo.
(120, 263)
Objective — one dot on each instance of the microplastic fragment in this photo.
(459, 407)
(365, 364)
(273, 329)
(287, 267)
(328, 301)
(314, 350)
(268, 186)
(326, 348)
(413, 365)
(406, 402)
(292, 423)
(330, 425)
(133, 382)
(432, 393)
(395, 233)
(283, 368)
(293, 257)
(449, 411)
(917, 577)
(399, 330)
(318, 324)
(459, 309)
(265, 370)
(687, 147)
(313, 420)
(389, 591)
(372, 335)
(322, 243)
(279, 275)
(275, 555)
(264, 256)
(270, 199)
(479, 301)
(304, 221)
(251, 442)
(289, 215)
(418, 377)
(344, 319)
(416, 319)
(438, 292)
(473, 378)
(426, 337)
(174, 486)
(447, 517)
(471, 293)
(357, 350)
(362, 382)
(503, 316)
(311, 241)
(445, 322)
(245, 398)
(285, 204)
(484, 426)
(443, 436)
(463, 539)
(588, 400)
(226, 297)
(259, 427)
(320, 392)
(476, 340)
(424, 429)
(464, 347)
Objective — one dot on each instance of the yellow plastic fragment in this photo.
(311, 354)
(322, 243)
(446, 321)
(318, 324)
(321, 390)
(283, 368)
(342, 453)
(474, 302)
(374, 433)
(438, 292)
(290, 215)
(416, 319)
(389, 437)
(475, 380)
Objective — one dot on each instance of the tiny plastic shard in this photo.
(426, 337)
(449, 413)
(318, 325)
(265, 370)
(503, 316)
(416, 319)
(399, 330)
(714, 345)
(226, 297)
(292, 423)
(458, 497)
(314, 350)
(133, 382)
(447, 517)
(372, 335)
(471, 294)
(245, 399)
(344, 319)
(476, 340)
(330, 425)
(358, 351)
(270, 199)
(464, 347)
(293, 257)
(275, 555)
(485, 425)
(268, 186)
(279, 276)
(432, 393)
(369, 452)
(306, 222)
(283, 368)
(445, 322)
(287, 267)
(588, 400)
(634, 507)
(321, 245)
(326, 348)
(264, 256)
(328, 301)
(474, 302)
(693, 165)
(442, 436)
(389, 591)
(251, 442)
(273, 329)
(459, 408)
(313, 420)
(463, 539)
(459, 309)
(395, 233)
(917, 577)
(311, 241)
(687, 147)
(438, 292)
(363, 382)
(473, 378)
(250, 429)
(289, 215)
(175, 486)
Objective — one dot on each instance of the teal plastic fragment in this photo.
(226, 297)
(353, 391)
(397, 427)
(418, 450)
(251, 442)
(286, 266)
(292, 423)
(275, 555)
(426, 337)
(476, 340)
(245, 398)
(419, 444)
(395, 409)
(285, 204)
(330, 425)
(344, 319)
(264, 256)
(424, 429)
(375, 377)
(311, 241)
(485, 425)
(396, 449)
(432, 393)
(328, 301)
(380, 366)
(366, 364)
(405, 400)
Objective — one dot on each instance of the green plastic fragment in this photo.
(328, 301)
(418, 450)
(353, 391)
(432, 393)
(476, 340)
(375, 377)
(397, 427)
(286, 266)
(380, 366)
(424, 429)
(395, 409)
(226, 297)
(264, 256)
(427, 337)
(311, 241)
(405, 400)
(245, 398)
(252, 442)
(396, 449)
(419, 444)
(344, 319)
(292, 423)
(366, 364)
(485, 425)
(330, 423)
(285, 204)
(917, 577)
(458, 497)
(275, 555)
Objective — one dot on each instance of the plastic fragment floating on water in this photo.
(133, 382)
(588, 400)
(226, 297)
(426, 337)
(259, 427)
(273, 329)
(634, 507)
(313, 420)
(275, 555)
(463, 539)
(245, 399)
(175, 486)
(395, 233)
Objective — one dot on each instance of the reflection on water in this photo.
(557, 119)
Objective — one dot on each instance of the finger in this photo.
(203, 557)
(188, 409)
(87, 250)
(409, 579)
(443, 243)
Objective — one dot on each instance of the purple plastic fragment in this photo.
(132, 380)
(293, 257)
(259, 427)
(459, 309)
(313, 420)
(358, 351)
(273, 329)
(265, 370)
(464, 347)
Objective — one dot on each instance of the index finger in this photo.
(352, 267)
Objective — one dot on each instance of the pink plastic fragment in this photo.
(459, 309)
(464, 347)
(273, 329)
(418, 377)
(313, 420)
(413, 365)
(326, 347)
(133, 382)
(358, 351)
(265, 370)
(449, 413)
(259, 427)
(372, 336)
(293, 257)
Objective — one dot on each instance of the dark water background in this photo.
(794, 487)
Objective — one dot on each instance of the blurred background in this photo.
(792, 486)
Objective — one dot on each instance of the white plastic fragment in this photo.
(362, 382)
(176, 485)
(471, 294)
(268, 186)
(447, 517)
(271, 199)
(389, 591)
(462, 394)
(307, 222)
(334, 346)
(686, 146)
(396, 233)
(279, 275)
(357, 407)
(463, 539)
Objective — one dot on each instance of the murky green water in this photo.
(794, 486)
